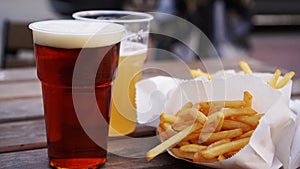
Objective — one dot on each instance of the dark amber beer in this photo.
(58, 46)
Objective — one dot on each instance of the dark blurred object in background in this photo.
(67, 7)
(277, 7)
(223, 21)
(227, 24)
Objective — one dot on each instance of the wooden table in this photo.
(22, 129)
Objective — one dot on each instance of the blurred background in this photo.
(267, 30)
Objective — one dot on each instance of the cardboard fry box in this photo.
(270, 144)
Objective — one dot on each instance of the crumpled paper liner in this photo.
(295, 148)
(270, 144)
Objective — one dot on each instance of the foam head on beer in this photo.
(75, 34)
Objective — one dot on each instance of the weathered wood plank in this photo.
(19, 133)
(38, 159)
(18, 109)
(130, 147)
(163, 161)
(23, 147)
(20, 74)
(143, 131)
(27, 89)
(15, 135)
(25, 159)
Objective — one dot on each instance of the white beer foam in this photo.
(75, 34)
(132, 48)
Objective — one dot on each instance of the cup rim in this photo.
(145, 17)
(34, 26)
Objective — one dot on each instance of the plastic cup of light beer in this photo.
(133, 53)
(76, 64)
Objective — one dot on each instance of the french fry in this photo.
(167, 118)
(182, 143)
(231, 124)
(187, 117)
(165, 126)
(225, 104)
(186, 106)
(210, 110)
(247, 111)
(170, 142)
(221, 157)
(273, 81)
(245, 67)
(258, 116)
(198, 157)
(166, 131)
(213, 137)
(194, 140)
(201, 118)
(247, 134)
(198, 72)
(192, 136)
(180, 124)
(214, 123)
(192, 114)
(225, 148)
(180, 154)
(164, 136)
(197, 106)
(247, 99)
(227, 140)
(192, 148)
(286, 78)
(230, 154)
(250, 120)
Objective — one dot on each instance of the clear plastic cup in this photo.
(133, 53)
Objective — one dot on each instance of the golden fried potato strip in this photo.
(286, 78)
(231, 124)
(273, 81)
(180, 154)
(198, 72)
(209, 138)
(245, 67)
(171, 141)
(225, 148)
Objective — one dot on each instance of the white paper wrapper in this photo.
(151, 95)
(295, 149)
(270, 144)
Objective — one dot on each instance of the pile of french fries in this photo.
(273, 82)
(212, 131)
(207, 131)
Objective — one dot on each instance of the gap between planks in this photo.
(23, 147)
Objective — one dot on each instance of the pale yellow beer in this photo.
(123, 110)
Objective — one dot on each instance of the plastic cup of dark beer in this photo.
(76, 64)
